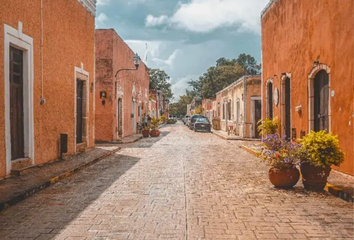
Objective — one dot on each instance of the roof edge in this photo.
(245, 77)
(267, 7)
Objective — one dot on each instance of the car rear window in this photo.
(202, 120)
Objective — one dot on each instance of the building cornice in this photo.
(90, 6)
(265, 10)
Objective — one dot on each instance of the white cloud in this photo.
(169, 61)
(101, 19)
(152, 21)
(152, 50)
(181, 84)
(102, 2)
(208, 15)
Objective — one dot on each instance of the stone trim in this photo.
(90, 6)
(311, 94)
(267, 7)
(269, 80)
(15, 37)
(282, 103)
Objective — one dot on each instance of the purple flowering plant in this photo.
(279, 153)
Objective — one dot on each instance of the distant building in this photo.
(159, 104)
(239, 106)
(122, 101)
(307, 69)
(207, 107)
(188, 109)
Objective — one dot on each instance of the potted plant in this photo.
(318, 151)
(153, 126)
(282, 157)
(268, 126)
(146, 131)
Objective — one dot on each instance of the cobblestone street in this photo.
(182, 185)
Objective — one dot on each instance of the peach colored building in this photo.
(207, 107)
(239, 106)
(122, 101)
(47, 59)
(307, 64)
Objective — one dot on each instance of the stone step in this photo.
(24, 170)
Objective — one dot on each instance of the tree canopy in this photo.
(216, 78)
(158, 80)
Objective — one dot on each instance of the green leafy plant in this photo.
(268, 126)
(171, 121)
(154, 124)
(279, 153)
(321, 149)
(146, 128)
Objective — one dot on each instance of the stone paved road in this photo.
(183, 185)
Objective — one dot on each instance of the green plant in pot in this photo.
(146, 131)
(268, 126)
(282, 158)
(154, 124)
(318, 152)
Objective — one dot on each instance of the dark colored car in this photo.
(193, 119)
(202, 124)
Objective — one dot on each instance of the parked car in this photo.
(202, 124)
(193, 119)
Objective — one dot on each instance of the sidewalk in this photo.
(338, 184)
(17, 188)
(223, 135)
(125, 140)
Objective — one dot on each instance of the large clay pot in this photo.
(314, 178)
(145, 133)
(154, 133)
(284, 178)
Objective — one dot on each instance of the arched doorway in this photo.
(286, 106)
(321, 101)
(269, 99)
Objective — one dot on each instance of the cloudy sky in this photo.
(185, 37)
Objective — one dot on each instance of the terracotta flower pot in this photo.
(284, 178)
(145, 133)
(154, 133)
(314, 178)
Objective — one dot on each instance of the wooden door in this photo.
(270, 101)
(287, 109)
(16, 104)
(79, 110)
(257, 115)
(120, 128)
(321, 101)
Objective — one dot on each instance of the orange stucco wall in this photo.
(113, 54)
(68, 41)
(294, 34)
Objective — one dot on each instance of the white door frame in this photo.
(253, 117)
(16, 38)
(87, 122)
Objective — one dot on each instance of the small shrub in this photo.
(321, 149)
(268, 126)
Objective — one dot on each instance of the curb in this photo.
(35, 189)
(219, 135)
(334, 190)
(236, 139)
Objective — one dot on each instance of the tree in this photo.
(249, 64)
(225, 72)
(158, 80)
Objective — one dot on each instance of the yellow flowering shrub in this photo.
(321, 149)
(268, 126)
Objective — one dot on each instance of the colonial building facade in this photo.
(47, 54)
(238, 106)
(122, 91)
(307, 78)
